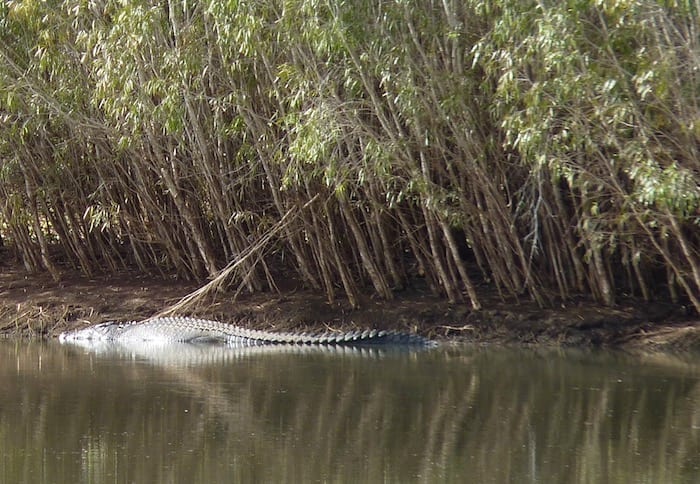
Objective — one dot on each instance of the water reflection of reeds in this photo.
(439, 416)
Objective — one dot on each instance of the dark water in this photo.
(205, 415)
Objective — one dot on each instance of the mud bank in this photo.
(35, 305)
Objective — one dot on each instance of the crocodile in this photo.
(194, 330)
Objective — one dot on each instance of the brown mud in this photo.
(35, 305)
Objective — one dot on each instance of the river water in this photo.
(199, 414)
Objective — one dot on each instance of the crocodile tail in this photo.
(349, 338)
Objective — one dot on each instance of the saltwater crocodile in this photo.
(194, 330)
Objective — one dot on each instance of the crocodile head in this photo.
(104, 331)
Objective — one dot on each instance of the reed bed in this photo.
(544, 150)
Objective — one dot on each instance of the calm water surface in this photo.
(207, 415)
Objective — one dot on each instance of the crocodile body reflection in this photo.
(208, 353)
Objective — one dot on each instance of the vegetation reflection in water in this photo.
(489, 415)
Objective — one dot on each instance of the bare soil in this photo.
(35, 305)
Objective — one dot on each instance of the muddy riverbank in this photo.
(35, 305)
